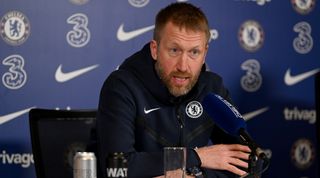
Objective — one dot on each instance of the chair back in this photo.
(56, 135)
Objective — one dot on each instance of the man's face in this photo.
(179, 57)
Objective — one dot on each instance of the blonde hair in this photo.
(184, 15)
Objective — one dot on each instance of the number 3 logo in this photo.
(303, 43)
(80, 35)
(16, 77)
(252, 81)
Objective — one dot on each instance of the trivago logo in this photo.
(23, 159)
(291, 114)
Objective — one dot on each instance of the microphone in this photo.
(228, 118)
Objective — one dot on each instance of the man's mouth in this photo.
(179, 80)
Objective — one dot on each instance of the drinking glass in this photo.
(174, 162)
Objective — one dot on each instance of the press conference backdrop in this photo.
(56, 54)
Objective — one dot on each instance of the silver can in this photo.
(84, 165)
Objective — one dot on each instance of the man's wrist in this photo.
(195, 171)
(197, 157)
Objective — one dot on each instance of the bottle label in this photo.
(117, 172)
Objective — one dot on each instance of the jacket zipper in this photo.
(181, 125)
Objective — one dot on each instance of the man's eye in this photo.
(174, 51)
(194, 53)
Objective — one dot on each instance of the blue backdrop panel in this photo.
(56, 54)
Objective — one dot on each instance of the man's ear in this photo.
(153, 49)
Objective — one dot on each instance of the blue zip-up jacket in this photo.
(138, 116)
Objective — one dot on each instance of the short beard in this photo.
(174, 90)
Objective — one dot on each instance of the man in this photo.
(150, 102)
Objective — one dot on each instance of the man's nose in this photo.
(182, 64)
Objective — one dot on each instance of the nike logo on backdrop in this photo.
(255, 113)
(13, 115)
(125, 36)
(149, 110)
(65, 76)
(292, 80)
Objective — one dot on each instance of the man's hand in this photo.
(225, 157)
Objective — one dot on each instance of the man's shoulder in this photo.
(120, 75)
(211, 82)
(210, 77)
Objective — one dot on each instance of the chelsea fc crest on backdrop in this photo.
(194, 109)
(302, 153)
(14, 28)
(138, 3)
(251, 35)
(303, 7)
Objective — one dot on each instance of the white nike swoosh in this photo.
(255, 113)
(125, 36)
(149, 110)
(13, 115)
(292, 80)
(63, 77)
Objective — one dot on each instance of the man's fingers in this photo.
(239, 147)
(236, 170)
(239, 162)
(241, 155)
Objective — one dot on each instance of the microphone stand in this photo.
(255, 167)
